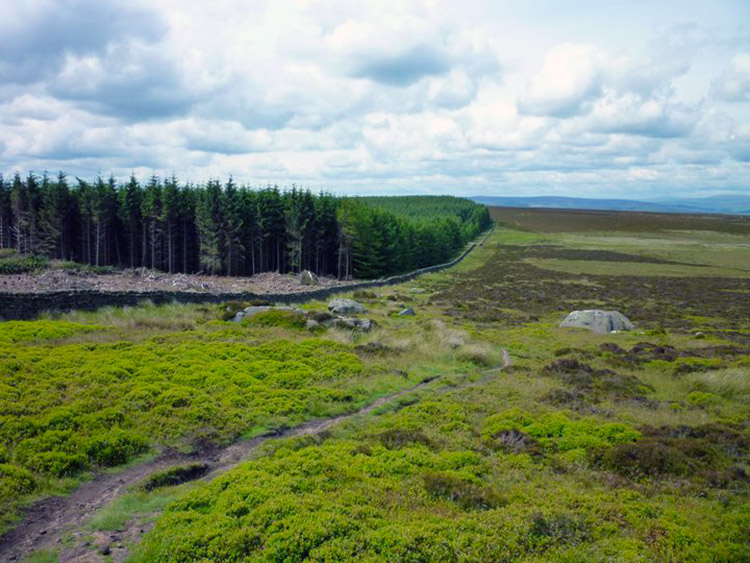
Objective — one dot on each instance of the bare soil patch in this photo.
(143, 280)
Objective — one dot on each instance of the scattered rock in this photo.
(311, 324)
(417, 290)
(255, 309)
(251, 311)
(340, 306)
(351, 323)
(306, 277)
(408, 312)
(595, 320)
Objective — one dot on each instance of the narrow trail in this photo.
(46, 522)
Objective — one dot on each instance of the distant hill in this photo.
(729, 204)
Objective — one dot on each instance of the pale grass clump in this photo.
(478, 353)
(170, 316)
(446, 338)
(730, 383)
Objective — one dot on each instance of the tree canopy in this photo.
(226, 229)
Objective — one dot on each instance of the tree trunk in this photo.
(98, 240)
(169, 248)
(88, 241)
(144, 240)
(252, 257)
(153, 245)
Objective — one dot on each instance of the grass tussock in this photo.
(731, 383)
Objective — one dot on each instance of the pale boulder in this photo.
(598, 321)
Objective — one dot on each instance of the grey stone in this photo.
(365, 325)
(408, 312)
(340, 306)
(255, 309)
(417, 290)
(312, 324)
(251, 311)
(348, 323)
(306, 277)
(595, 320)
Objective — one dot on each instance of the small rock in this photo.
(350, 323)
(251, 311)
(417, 290)
(106, 550)
(311, 324)
(364, 325)
(408, 312)
(306, 277)
(340, 306)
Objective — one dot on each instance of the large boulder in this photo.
(595, 320)
(340, 306)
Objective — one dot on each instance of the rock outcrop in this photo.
(254, 310)
(316, 320)
(595, 320)
(340, 306)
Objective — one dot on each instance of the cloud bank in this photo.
(417, 96)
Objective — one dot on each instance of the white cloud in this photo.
(404, 96)
(733, 85)
(632, 114)
(569, 79)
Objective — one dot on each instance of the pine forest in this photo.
(226, 229)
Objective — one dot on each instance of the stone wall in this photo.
(29, 305)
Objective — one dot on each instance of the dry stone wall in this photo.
(29, 305)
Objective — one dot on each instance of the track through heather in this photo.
(46, 522)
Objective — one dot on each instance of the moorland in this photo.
(506, 438)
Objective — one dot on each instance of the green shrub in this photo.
(15, 481)
(22, 264)
(702, 399)
(285, 319)
(176, 476)
(648, 458)
(560, 432)
(462, 491)
(558, 529)
(34, 331)
(396, 438)
(114, 448)
(57, 463)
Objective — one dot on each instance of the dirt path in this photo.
(46, 522)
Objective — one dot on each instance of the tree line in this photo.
(226, 229)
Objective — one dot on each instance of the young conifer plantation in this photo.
(226, 229)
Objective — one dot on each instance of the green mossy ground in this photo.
(620, 447)
(77, 397)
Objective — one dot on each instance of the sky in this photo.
(637, 99)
